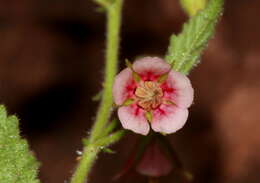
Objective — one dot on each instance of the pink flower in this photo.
(152, 157)
(150, 92)
(154, 162)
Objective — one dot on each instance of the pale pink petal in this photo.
(183, 93)
(132, 118)
(169, 119)
(122, 80)
(154, 162)
(154, 65)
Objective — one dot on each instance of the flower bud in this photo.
(154, 162)
(191, 7)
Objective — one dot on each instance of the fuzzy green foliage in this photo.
(17, 164)
(185, 49)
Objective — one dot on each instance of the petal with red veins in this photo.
(169, 119)
(120, 88)
(153, 65)
(133, 118)
(183, 93)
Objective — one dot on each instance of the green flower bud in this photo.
(191, 7)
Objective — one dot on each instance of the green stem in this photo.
(89, 155)
(90, 152)
(113, 30)
(91, 149)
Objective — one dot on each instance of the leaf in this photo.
(108, 150)
(17, 164)
(98, 96)
(110, 139)
(185, 49)
(110, 127)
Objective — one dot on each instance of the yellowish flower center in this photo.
(149, 95)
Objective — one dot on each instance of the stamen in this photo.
(149, 95)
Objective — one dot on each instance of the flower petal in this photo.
(169, 119)
(154, 162)
(133, 118)
(183, 93)
(122, 81)
(154, 65)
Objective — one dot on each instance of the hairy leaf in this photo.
(185, 49)
(17, 164)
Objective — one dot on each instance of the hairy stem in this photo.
(93, 147)
(113, 30)
(90, 152)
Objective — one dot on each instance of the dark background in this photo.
(51, 61)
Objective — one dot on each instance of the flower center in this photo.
(149, 95)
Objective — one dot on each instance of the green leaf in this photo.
(185, 49)
(110, 139)
(17, 164)
(98, 96)
(108, 150)
(110, 127)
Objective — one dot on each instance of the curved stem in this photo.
(113, 30)
(92, 148)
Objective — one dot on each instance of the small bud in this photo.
(154, 162)
(191, 7)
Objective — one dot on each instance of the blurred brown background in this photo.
(51, 60)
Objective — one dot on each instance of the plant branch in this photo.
(113, 30)
(97, 140)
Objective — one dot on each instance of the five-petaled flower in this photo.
(149, 91)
